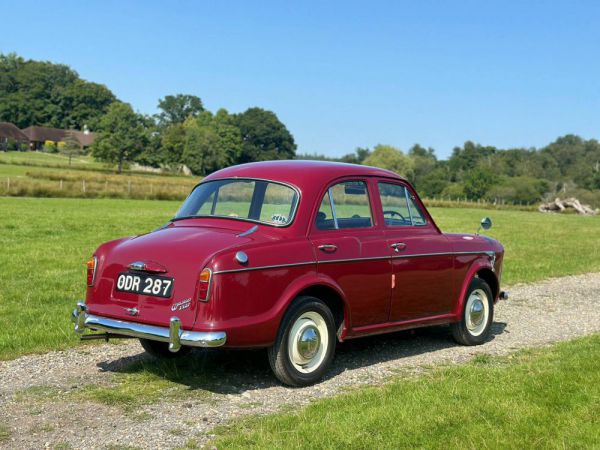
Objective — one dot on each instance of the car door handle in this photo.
(397, 246)
(328, 248)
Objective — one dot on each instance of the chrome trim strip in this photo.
(420, 255)
(331, 261)
(276, 266)
(172, 334)
(372, 258)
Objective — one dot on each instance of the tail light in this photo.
(204, 282)
(91, 270)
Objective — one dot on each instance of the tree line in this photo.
(184, 134)
(568, 166)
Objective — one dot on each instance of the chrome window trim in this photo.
(333, 211)
(332, 261)
(410, 214)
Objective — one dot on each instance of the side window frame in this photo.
(409, 196)
(315, 229)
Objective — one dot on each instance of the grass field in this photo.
(44, 243)
(546, 398)
(34, 174)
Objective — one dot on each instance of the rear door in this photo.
(422, 259)
(352, 250)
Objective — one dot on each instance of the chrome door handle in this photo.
(397, 246)
(328, 248)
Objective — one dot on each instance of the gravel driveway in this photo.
(537, 314)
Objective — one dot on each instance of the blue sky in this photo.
(340, 74)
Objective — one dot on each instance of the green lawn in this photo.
(44, 243)
(49, 159)
(542, 399)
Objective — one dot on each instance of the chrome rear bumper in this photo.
(174, 335)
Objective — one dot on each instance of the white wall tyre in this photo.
(305, 343)
(477, 315)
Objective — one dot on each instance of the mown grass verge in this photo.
(543, 398)
(44, 243)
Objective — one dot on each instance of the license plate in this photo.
(145, 284)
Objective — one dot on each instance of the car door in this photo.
(352, 250)
(422, 259)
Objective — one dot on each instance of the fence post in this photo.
(129, 186)
(83, 185)
(151, 188)
(8, 184)
(106, 185)
(61, 185)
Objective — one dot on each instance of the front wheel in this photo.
(305, 343)
(477, 315)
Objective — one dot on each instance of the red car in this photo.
(292, 256)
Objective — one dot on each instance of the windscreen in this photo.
(262, 201)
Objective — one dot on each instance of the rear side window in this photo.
(345, 205)
(399, 206)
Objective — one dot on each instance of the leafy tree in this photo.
(391, 158)
(172, 141)
(177, 108)
(42, 93)
(211, 142)
(478, 181)
(358, 157)
(123, 136)
(264, 137)
(70, 146)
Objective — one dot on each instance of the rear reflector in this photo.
(204, 281)
(91, 271)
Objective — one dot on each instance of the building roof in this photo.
(8, 130)
(42, 134)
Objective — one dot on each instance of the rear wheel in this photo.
(160, 350)
(477, 315)
(305, 343)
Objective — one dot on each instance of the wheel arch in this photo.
(327, 291)
(481, 268)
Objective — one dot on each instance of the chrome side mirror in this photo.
(486, 224)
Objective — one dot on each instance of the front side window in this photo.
(345, 205)
(262, 201)
(399, 207)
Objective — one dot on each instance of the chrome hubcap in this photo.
(477, 312)
(308, 342)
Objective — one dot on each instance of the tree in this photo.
(70, 146)
(264, 137)
(478, 181)
(177, 108)
(123, 135)
(358, 157)
(43, 93)
(391, 158)
(211, 142)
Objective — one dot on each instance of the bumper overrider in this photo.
(174, 335)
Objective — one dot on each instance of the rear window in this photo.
(267, 202)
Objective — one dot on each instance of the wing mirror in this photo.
(486, 224)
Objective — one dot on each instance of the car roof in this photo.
(300, 172)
